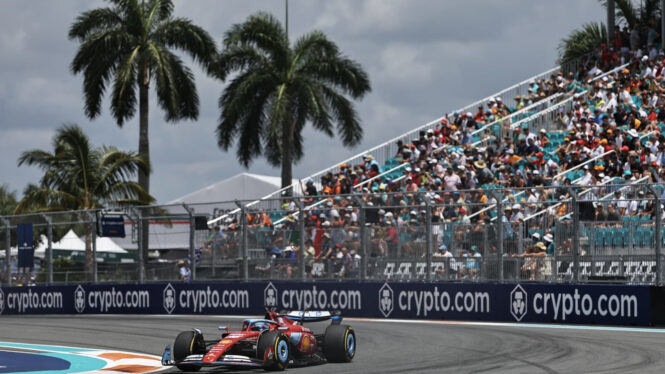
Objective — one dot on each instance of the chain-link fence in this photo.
(604, 233)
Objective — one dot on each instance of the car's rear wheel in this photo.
(339, 343)
(274, 349)
(188, 343)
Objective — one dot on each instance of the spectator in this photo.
(183, 271)
(310, 256)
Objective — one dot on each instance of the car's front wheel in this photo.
(274, 349)
(188, 343)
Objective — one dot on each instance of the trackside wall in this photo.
(570, 303)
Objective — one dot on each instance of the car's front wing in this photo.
(224, 360)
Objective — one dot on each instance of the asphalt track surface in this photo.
(383, 347)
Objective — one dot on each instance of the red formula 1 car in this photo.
(275, 342)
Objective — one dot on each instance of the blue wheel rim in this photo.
(282, 351)
(351, 344)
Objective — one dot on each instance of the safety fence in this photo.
(605, 233)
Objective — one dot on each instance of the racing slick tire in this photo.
(281, 350)
(188, 343)
(339, 343)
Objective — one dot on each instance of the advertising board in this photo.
(597, 304)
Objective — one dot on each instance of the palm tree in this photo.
(128, 45)
(78, 176)
(280, 88)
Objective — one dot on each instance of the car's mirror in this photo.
(223, 328)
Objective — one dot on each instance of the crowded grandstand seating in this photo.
(504, 164)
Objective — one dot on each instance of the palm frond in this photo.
(249, 87)
(38, 157)
(176, 90)
(348, 125)
(126, 190)
(263, 31)
(239, 58)
(183, 35)
(582, 41)
(94, 22)
(123, 100)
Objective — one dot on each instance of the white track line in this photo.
(443, 322)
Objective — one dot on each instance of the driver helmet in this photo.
(260, 326)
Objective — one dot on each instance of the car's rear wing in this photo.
(313, 316)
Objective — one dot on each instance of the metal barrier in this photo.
(514, 232)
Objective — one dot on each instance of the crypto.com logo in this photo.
(518, 302)
(2, 301)
(270, 295)
(386, 300)
(169, 298)
(79, 299)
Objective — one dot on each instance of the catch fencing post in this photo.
(192, 255)
(657, 234)
(363, 242)
(139, 245)
(301, 237)
(428, 237)
(499, 234)
(243, 243)
(576, 237)
(8, 250)
(93, 222)
(49, 247)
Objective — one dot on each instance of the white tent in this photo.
(72, 242)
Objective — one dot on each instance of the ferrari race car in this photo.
(274, 342)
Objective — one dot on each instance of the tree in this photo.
(78, 176)
(128, 45)
(280, 88)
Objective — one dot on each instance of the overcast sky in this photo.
(424, 58)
